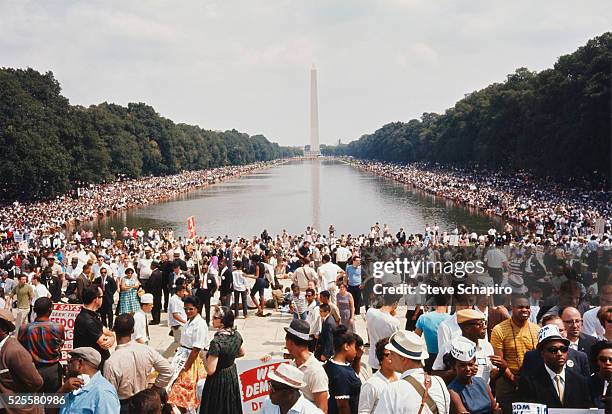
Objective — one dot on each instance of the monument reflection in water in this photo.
(314, 192)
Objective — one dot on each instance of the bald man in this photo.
(572, 320)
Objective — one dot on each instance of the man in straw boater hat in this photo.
(285, 396)
(555, 386)
(416, 392)
(473, 328)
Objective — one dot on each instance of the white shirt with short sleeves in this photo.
(315, 377)
(371, 391)
(176, 306)
(240, 282)
(379, 325)
(140, 326)
(328, 273)
(194, 334)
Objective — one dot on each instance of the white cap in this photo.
(146, 298)
(463, 349)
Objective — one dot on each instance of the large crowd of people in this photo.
(542, 207)
(89, 202)
(545, 338)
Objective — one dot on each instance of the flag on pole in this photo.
(191, 227)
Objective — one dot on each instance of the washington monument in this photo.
(314, 114)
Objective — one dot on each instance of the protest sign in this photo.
(65, 314)
(253, 378)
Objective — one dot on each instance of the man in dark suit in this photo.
(573, 325)
(555, 386)
(109, 287)
(154, 286)
(600, 383)
(325, 348)
(401, 237)
(576, 360)
(165, 265)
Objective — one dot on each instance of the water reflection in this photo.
(299, 194)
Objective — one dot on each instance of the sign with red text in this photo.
(191, 227)
(253, 378)
(65, 314)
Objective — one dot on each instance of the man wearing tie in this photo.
(555, 386)
(109, 287)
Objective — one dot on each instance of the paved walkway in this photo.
(261, 335)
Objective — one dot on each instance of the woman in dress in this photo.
(187, 363)
(221, 392)
(346, 306)
(468, 393)
(344, 384)
(128, 294)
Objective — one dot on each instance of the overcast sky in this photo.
(245, 64)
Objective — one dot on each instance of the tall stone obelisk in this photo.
(314, 113)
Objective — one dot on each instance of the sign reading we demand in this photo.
(254, 376)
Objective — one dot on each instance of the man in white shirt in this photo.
(328, 274)
(377, 383)
(496, 262)
(40, 290)
(144, 265)
(313, 317)
(176, 318)
(99, 265)
(285, 395)
(449, 328)
(408, 351)
(343, 255)
(240, 289)
(316, 388)
(381, 323)
(141, 323)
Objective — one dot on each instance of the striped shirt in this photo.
(514, 267)
(514, 341)
(43, 340)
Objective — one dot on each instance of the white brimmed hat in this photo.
(408, 344)
(463, 349)
(517, 284)
(549, 333)
(288, 375)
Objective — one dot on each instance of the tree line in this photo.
(554, 123)
(50, 146)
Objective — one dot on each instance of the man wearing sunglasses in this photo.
(555, 386)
